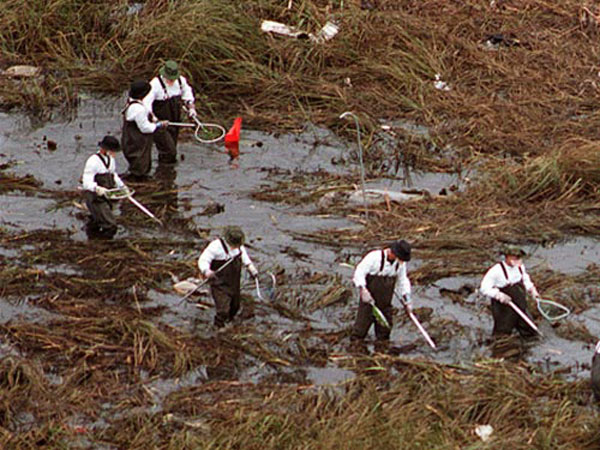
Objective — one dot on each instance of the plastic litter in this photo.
(326, 33)
(21, 71)
(484, 432)
(439, 84)
(269, 26)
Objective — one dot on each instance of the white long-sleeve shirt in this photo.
(215, 250)
(494, 279)
(371, 264)
(93, 166)
(157, 92)
(139, 113)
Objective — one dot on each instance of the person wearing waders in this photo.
(169, 91)
(596, 373)
(139, 125)
(99, 175)
(375, 277)
(505, 281)
(221, 263)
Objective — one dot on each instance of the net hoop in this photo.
(563, 314)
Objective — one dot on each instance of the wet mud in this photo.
(95, 310)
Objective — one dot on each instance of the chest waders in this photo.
(100, 208)
(382, 291)
(596, 376)
(167, 109)
(137, 146)
(505, 318)
(225, 288)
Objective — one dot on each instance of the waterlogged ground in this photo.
(303, 328)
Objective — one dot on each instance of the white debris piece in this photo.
(329, 30)
(484, 432)
(21, 71)
(380, 195)
(326, 33)
(269, 26)
(439, 84)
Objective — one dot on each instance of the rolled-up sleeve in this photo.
(489, 282)
(207, 256)
(187, 94)
(89, 171)
(526, 279)
(404, 284)
(365, 267)
(138, 113)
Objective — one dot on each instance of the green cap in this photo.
(234, 235)
(513, 250)
(170, 70)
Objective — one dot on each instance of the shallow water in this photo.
(206, 175)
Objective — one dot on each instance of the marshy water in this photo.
(296, 322)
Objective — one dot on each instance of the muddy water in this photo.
(205, 176)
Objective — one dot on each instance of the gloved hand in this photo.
(253, 272)
(534, 292)
(407, 302)
(209, 274)
(162, 124)
(100, 191)
(192, 112)
(503, 298)
(365, 296)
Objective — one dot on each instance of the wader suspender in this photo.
(106, 163)
(129, 103)
(227, 250)
(506, 273)
(151, 116)
(383, 261)
(224, 247)
(162, 83)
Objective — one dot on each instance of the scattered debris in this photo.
(134, 8)
(484, 432)
(439, 84)
(380, 195)
(494, 41)
(329, 30)
(21, 71)
(212, 208)
(269, 26)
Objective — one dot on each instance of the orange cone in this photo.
(233, 135)
(233, 150)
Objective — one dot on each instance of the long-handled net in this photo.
(206, 133)
(552, 311)
(270, 291)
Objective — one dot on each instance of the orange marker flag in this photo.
(233, 135)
